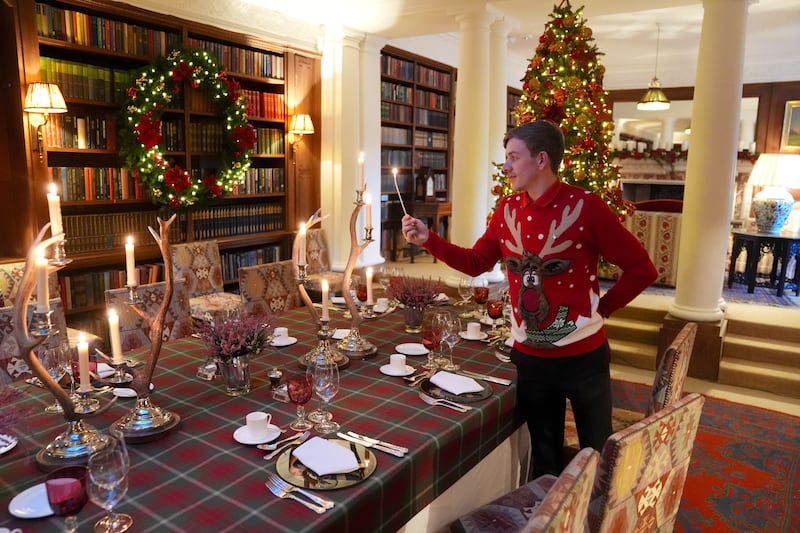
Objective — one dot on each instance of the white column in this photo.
(667, 129)
(498, 94)
(711, 165)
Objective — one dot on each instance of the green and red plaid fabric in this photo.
(198, 478)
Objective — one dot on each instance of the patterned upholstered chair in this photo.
(134, 330)
(546, 504)
(268, 289)
(319, 262)
(667, 387)
(643, 468)
(199, 264)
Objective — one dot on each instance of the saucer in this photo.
(31, 503)
(389, 371)
(464, 335)
(243, 436)
(281, 342)
(7, 442)
(411, 348)
(125, 392)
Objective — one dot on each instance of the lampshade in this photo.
(44, 97)
(776, 173)
(301, 125)
(654, 99)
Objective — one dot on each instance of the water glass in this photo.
(433, 322)
(55, 360)
(451, 334)
(108, 483)
(325, 377)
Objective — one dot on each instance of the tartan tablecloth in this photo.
(198, 478)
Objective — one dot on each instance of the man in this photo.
(551, 236)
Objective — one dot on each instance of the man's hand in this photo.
(414, 230)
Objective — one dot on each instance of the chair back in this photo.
(672, 369)
(134, 329)
(199, 264)
(643, 468)
(269, 288)
(11, 275)
(317, 255)
(565, 508)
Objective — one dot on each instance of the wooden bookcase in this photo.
(93, 50)
(417, 106)
(512, 100)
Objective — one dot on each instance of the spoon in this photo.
(302, 437)
(272, 445)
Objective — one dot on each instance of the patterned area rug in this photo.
(736, 294)
(745, 469)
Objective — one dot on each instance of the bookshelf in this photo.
(417, 106)
(94, 50)
(513, 96)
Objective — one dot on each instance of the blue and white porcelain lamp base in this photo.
(772, 208)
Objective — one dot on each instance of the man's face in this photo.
(520, 166)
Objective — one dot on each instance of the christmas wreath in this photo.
(156, 88)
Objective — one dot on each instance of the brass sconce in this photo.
(299, 125)
(43, 98)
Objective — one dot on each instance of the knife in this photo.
(402, 449)
(368, 444)
(484, 377)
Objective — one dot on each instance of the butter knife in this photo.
(402, 449)
(368, 444)
(484, 377)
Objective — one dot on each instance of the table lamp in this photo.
(776, 173)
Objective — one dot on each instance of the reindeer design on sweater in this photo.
(532, 303)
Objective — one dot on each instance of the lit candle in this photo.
(130, 264)
(54, 206)
(368, 203)
(361, 171)
(116, 342)
(325, 314)
(42, 288)
(369, 286)
(301, 245)
(83, 364)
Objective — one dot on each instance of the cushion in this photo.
(665, 205)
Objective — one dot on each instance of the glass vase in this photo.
(236, 375)
(413, 318)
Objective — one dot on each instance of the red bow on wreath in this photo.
(244, 136)
(148, 131)
(177, 178)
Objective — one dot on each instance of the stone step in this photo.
(775, 350)
(633, 354)
(781, 331)
(632, 330)
(633, 311)
(777, 379)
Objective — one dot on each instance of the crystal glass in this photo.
(108, 483)
(55, 360)
(494, 308)
(465, 292)
(451, 334)
(299, 387)
(325, 377)
(433, 322)
(66, 493)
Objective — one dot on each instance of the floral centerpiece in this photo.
(415, 294)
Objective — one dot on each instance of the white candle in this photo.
(368, 203)
(301, 245)
(83, 364)
(116, 342)
(130, 264)
(42, 287)
(54, 206)
(325, 314)
(361, 171)
(369, 286)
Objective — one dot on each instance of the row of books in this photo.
(172, 135)
(261, 104)
(97, 183)
(395, 112)
(432, 159)
(404, 182)
(234, 260)
(395, 158)
(242, 60)
(427, 117)
(82, 81)
(430, 139)
(397, 68)
(392, 135)
(229, 221)
(395, 91)
(434, 100)
(262, 181)
(88, 289)
(270, 141)
(100, 32)
(433, 78)
(79, 131)
(108, 231)
(206, 137)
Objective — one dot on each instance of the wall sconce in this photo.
(299, 125)
(776, 173)
(43, 98)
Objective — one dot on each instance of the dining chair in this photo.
(269, 288)
(546, 504)
(199, 264)
(319, 262)
(134, 329)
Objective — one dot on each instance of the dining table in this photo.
(197, 477)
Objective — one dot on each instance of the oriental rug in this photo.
(744, 475)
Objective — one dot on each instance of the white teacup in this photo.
(397, 362)
(258, 423)
(279, 334)
(473, 330)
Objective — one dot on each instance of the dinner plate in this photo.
(125, 392)
(7, 442)
(464, 335)
(411, 348)
(31, 503)
(389, 371)
(243, 436)
(434, 391)
(281, 342)
(293, 471)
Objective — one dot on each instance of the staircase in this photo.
(633, 332)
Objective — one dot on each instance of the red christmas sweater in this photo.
(551, 247)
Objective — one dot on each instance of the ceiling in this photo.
(625, 35)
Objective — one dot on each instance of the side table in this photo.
(782, 246)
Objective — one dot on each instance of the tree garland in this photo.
(155, 90)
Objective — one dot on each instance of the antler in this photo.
(515, 227)
(568, 218)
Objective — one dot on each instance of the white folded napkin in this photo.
(455, 383)
(441, 298)
(326, 457)
(381, 307)
(340, 333)
(104, 370)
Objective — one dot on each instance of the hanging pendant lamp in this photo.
(654, 99)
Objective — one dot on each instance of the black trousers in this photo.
(543, 386)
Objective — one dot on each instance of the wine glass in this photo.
(451, 334)
(55, 360)
(325, 377)
(432, 325)
(66, 493)
(299, 387)
(494, 308)
(480, 290)
(108, 483)
(465, 292)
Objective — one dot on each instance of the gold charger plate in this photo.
(293, 471)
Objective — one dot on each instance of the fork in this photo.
(282, 484)
(300, 438)
(447, 403)
(284, 493)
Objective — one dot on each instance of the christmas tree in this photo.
(564, 84)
